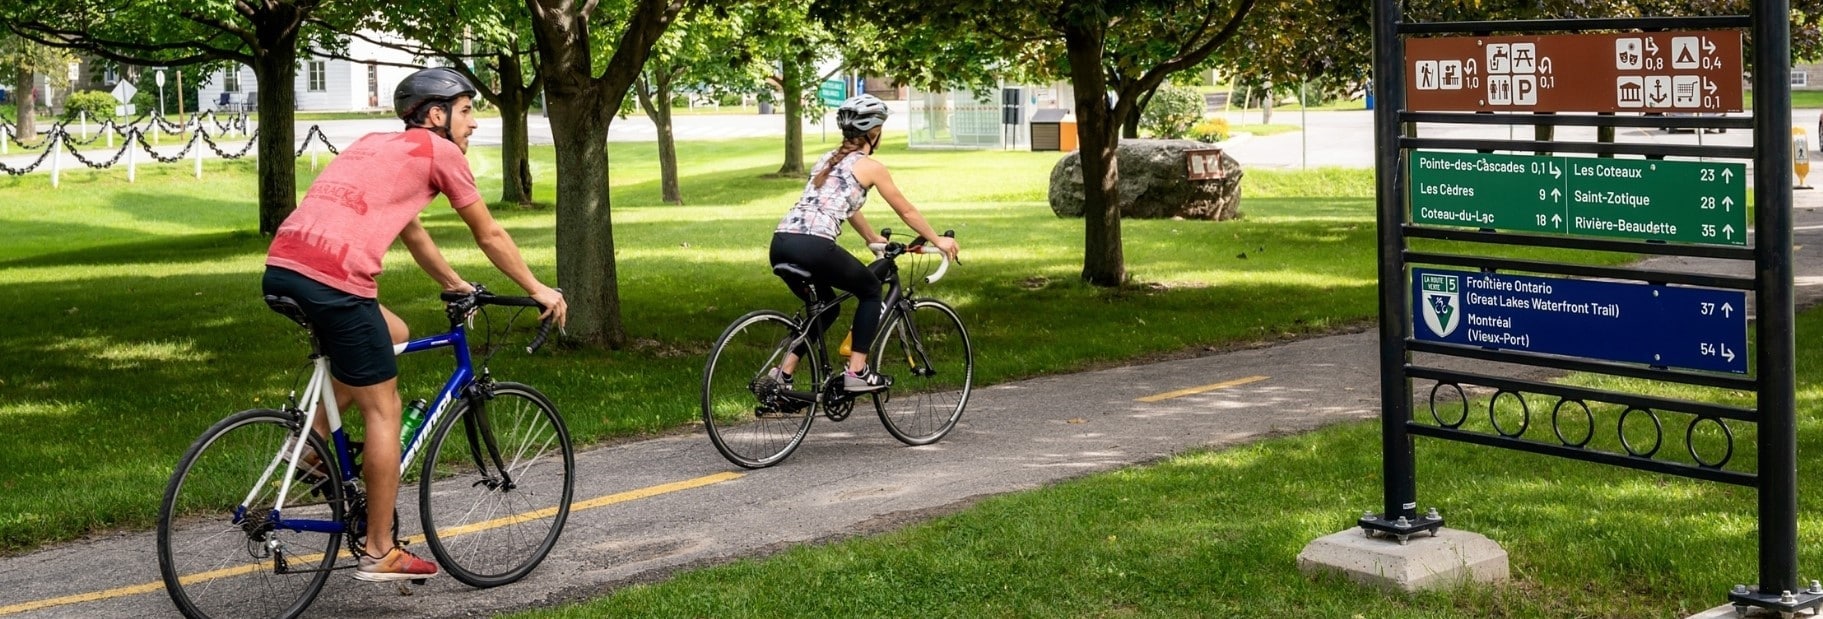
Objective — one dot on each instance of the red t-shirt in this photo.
(364, 198)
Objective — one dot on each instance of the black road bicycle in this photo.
(756, 421)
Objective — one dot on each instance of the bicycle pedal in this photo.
(419, 581)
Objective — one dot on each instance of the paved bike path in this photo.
(651, 507)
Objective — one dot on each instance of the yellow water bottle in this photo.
(848, 344)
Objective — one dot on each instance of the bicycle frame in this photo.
(320, 397)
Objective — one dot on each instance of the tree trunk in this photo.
(276, 73)
(1266, 106)
(1129, 127)
(514, 101)
(28, 105)
(792, 82)
(585, 229)
(655, 97)
(1097, 134)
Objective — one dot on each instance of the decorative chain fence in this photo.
(59, 140)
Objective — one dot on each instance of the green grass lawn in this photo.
(1216, 533)
(134, 320)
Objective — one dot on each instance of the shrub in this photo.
(145, 102)
(98, 104)
(1172, 111)
(1212, 130)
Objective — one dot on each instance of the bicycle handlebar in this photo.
(480, 296)
(917, 246)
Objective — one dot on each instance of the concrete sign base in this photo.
(1451, 558)
(1730, 611)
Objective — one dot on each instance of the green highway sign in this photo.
(832, 92)
(1674, 201)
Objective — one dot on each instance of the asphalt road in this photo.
(657, 506)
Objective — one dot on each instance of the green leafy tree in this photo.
(583, 98)
(785, 32)
(490, 42)
(1126, 49)
(27, 60)
(263, 34)
(706, 51)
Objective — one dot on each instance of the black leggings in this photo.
(830, 265)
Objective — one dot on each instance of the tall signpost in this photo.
(1437, 308)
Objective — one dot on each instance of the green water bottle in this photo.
(414, 419)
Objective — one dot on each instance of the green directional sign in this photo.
(832, 92)
(1673, 201)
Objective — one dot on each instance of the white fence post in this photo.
(155, 132)
(196, 144)
(6, 135)
(313, 148)
(132, 155)
(109, 130)
(56, 156)
(83, 115)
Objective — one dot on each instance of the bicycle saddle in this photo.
(288, 308)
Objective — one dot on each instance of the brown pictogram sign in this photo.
(1665, 72)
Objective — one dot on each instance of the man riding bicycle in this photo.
(328, 252)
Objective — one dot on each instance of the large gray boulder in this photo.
(1154, 183)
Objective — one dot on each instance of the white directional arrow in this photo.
(1709, 86)
(1557, 221)
(1729, 230)
(1544, 65)
(1556, 195)
(1727, 176)
(1556, 172)
(1651, 46)
(1727, 310)
(1727, 354)
(1708, 46)
(1728, 204)
(1470, 67)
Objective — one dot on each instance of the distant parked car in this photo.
(3, 95)
(1708, 130)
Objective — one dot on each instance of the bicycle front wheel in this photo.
(749, 416)
(928, 354)
(220, 557)
(496, 485)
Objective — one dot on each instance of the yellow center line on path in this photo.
(1205, 388)
(602, 501)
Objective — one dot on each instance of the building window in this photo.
(231, 81)
(318, 81)
(1800, 78)
(110, 75)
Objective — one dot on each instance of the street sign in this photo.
(832, 92)
(1696, 328)
(1634, 72)
(124, 91)
(1672, 201)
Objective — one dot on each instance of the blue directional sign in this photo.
(1696, 328)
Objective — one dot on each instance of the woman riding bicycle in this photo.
(806, 237)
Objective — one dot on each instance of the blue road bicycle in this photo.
(255, 516)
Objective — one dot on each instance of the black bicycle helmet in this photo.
(861, 114)
(428, 86)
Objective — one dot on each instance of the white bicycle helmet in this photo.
(861, 114)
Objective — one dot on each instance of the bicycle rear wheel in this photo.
(747, 414)
(932, 362)
(220, 558)
(496, 485)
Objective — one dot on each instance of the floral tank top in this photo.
(821, 210)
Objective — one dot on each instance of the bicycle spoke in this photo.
(933, 371)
